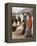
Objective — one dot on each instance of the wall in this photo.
(2, 23)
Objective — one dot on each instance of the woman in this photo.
(29, 25)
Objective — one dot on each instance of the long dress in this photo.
(29, 26)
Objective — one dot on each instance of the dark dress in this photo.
(24, 20)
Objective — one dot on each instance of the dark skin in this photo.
(14, 19)
(24, 27)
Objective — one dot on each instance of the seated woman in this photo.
(14, 23)
(19, 29)
(18, 21)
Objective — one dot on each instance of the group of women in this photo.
(22, 24)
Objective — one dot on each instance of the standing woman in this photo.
(29, 25)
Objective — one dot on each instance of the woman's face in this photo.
(27, 17)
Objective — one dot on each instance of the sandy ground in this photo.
(17, 36)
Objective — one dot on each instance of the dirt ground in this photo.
(17, 36)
